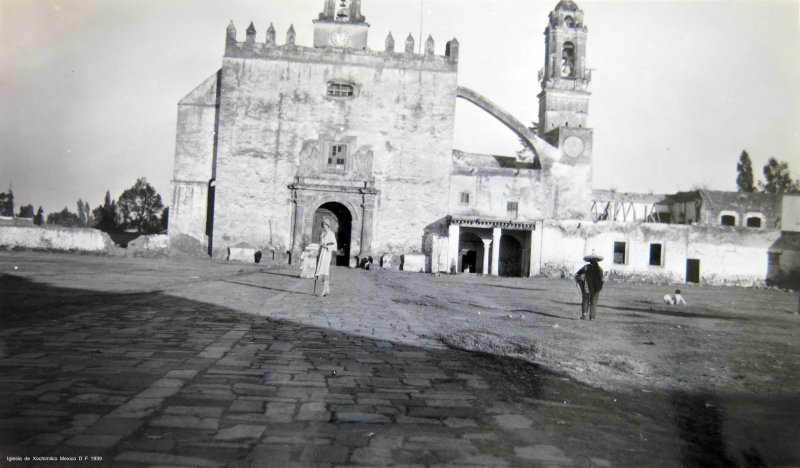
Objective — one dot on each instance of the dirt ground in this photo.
(723, 370)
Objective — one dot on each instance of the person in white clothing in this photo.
(678, 298)
(327, 245)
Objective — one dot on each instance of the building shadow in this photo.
(214, 385)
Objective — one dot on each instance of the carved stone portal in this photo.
(351, 203)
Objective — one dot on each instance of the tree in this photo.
(64, 218)
(164, 219)
(744, 174)
(778, 178)
(106, 217)
(25, 211)
(84, 213)
(7, 203)
(140, 206)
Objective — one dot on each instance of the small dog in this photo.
(676, 299)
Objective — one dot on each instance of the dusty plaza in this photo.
(199, 362)
(335, 281)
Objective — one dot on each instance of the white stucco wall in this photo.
(790, 213)
(54, 238)
(727, 255)
(194, 160)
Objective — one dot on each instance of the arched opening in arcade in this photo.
(470, 248)
(510, 262)
(341, 221)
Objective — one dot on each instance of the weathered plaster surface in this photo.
(194, 161)
(54, 238)
(727, 255)
(275, 114)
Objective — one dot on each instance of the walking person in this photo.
(590, 282)
(327, 245)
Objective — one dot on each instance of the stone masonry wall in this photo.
(194, 159)
(275, 111)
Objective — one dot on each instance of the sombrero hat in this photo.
(593, 258)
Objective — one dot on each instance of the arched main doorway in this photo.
(341, 224)
(510, 263)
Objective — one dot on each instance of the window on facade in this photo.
(464, 198)
(727, 220)
(336, 157)
(340, 89)
(754, 222)
(619, 253)
(512, 209)
(655, 254)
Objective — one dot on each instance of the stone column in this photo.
(453, 232)
(368, 207)
(487, 244)
(297, 238)
(496, 233)
(536, 249)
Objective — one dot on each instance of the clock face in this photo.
(339, 39)
(573, 146)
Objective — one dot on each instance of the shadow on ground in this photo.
(151, 379)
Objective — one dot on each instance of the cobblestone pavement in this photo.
(158, 371)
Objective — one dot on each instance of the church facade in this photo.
(285, 135)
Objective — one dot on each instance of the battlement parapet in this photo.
(297, 53)
(270, 50)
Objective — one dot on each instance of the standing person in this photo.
(327, 245)
(590, 282)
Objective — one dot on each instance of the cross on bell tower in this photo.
(341, 26)
(564, 99)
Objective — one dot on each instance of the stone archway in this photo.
(510, 263)
(341, 222)
(470, 247)
(352, 202)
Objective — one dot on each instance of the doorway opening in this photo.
(692, 270)
(510, 256)
(340, 220)
(470, 247)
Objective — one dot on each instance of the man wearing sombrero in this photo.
(590, 282)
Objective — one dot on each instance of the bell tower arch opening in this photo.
(341, 222)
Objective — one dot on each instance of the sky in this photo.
(89, 88)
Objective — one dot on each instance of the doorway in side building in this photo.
(693, 270)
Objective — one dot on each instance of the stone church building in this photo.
(284, 135)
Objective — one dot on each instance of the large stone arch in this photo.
(340, 220)
(541, 149)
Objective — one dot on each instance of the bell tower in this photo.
(564, 99)
(341, 26)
